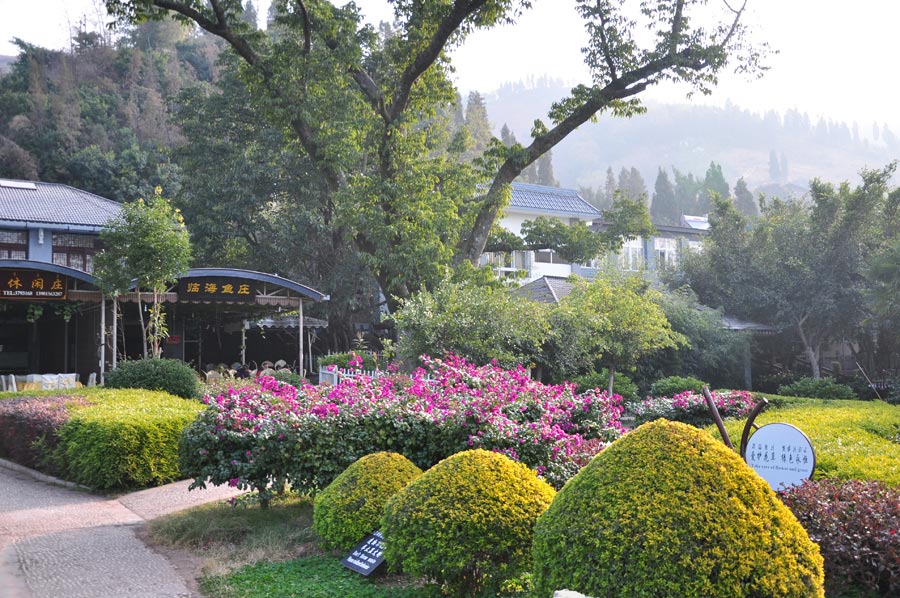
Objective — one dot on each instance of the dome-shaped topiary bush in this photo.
(167, 375)
(352, 505)
(467, 522)
(667, 510)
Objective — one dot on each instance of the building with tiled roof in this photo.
(54, 205)
(546, 289)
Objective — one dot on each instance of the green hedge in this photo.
(123, 439)
(166, 375)
(853, 440)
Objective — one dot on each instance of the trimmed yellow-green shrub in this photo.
(352, 505)
(124, 439)
(853, 440)
(466, 522)
(667, 510)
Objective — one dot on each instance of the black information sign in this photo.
(32, 284)
(367, 556)
(216, 288)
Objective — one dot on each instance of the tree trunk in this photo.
(612, 378)
(811, 351)
(141, 316)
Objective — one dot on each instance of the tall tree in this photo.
(359, 106)
(743, 199)
(801, 267)
(631, 184)
(687, 188)
(148, 243)
(664, 209)
(714, 184)
(774, 167)
(478, 125)
(545, 170)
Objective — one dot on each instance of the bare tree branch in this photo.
(307, 36)
(218, 28)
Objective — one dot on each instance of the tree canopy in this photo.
(365, 107)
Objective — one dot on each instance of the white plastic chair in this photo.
(2, 383)
(92, 379)
(12, 384)
(49, 381)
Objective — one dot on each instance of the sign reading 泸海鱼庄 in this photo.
(216, 288)
(32, 284)
(782, 455)
(367, 556)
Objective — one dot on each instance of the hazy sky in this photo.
(834, 57)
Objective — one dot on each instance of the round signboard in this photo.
(781, 454)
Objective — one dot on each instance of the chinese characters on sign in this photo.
(782, 455)
(367, 556)
(216, 289)
(32, 284)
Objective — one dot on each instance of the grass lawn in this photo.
(249, 553)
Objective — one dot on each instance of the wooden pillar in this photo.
(102, 337)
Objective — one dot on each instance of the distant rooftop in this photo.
(546, 289)
(697, 222)
(53, 203)
(553, 200)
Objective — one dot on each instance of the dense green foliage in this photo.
(29, 427)
(362, 360)
(479, 323)
(166, 375)
(668, 510)
(123, 439)
(623, 386)
(608, 323)
(466, 522)
(855, 525)
(673, 385)
(818, 388)
(800, 249)
(853, 440)
(351, 506)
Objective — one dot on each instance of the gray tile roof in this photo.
(546, 289)
(53, 203)
(540, 198)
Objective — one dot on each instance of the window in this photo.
(631, 257)
(548, 256)
(666, 252)
(74, 251)
(13, 245)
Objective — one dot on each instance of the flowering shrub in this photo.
(361, 361)
(855, 523)
(690, 407)
(29, 427)
(254, 437)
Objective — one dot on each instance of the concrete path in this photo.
(60, 542)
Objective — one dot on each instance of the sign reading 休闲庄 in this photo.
(32, 284)
(216, 288)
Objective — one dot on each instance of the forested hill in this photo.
(5, 63)
(690, 137)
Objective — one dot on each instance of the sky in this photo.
(834, 58)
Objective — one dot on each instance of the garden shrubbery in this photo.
(352, 505)
(855, 523)
(103, 438)
(362, 360)
(253, 437)
(124, 439)
(466, 522)
(667, 510)
(167, 375)
(818, 388)
(674, 385)
(691, 408)
(622, 385)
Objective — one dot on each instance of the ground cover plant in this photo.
(260, 437)
(853, 440)
(167, 375)
(103, 438)
(818, 388)
(667, 510)
(855, 523)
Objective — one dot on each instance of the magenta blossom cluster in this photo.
(271, 433)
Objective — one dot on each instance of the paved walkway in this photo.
(58, 542)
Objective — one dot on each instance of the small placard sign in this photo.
(216, 288)
(782, 455)
(367, 556)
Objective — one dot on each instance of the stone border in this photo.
(41, 477)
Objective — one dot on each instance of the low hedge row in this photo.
(103, 438)
(853, 440)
